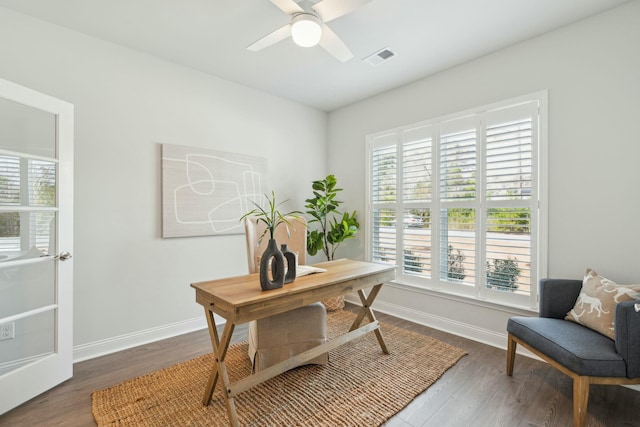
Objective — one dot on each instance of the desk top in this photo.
(240, 299)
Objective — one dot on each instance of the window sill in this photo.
(465, 299)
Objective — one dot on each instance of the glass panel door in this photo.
(35, 288)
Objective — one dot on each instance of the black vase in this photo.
(272, 255)
(290, 257)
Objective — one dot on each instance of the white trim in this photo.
(111, 345)
(20, 208)
(123, 342)
(22, 384)
(29, 313)
(9, 366)
(465, 330)
(513, 309)
(542, 258)
(472, 332)
(27, 156)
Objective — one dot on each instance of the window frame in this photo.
(537, 203)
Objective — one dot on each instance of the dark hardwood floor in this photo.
(475, 392)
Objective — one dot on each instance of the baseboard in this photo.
(122, 342)
(465, 330)
(472, 332)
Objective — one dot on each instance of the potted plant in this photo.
(334, 227)
(272, 218)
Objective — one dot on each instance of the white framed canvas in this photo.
(206, 192)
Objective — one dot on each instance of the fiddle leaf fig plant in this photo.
(333, 226)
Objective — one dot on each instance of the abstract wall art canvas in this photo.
(206, 192)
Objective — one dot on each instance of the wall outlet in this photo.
(8, 331)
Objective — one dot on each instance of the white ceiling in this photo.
(427, 36)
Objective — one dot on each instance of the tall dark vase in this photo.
(272, 255)
(290, 257)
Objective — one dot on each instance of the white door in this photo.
(36, 234)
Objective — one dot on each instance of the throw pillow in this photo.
(595, 307)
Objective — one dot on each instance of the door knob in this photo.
(63, 256)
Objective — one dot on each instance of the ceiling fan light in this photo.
(306, 30)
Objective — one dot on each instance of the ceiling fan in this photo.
(308, 28)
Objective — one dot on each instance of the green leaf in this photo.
(323, 209)
(273, 217)
(315, 242)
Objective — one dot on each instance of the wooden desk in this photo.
(240, 300)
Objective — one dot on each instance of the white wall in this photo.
(592, 72)
(130, 284)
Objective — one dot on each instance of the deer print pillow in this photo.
(596, 304)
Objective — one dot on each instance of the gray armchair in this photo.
(579, 352)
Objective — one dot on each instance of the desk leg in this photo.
(219, 370)
(367, 301)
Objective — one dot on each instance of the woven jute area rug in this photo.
(360, 386)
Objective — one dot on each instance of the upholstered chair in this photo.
(587, 356)
(276, 338)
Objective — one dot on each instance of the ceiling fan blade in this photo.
(332, 9)
(272, 38)
(332, 44)
(288, 6)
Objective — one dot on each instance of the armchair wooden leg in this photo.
(511, 354)
(580, 400)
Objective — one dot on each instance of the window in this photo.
(457, 202)
(27, 211)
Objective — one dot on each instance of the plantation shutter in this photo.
(458, 200)
(417, 194)
(508, 192)
(9, 196)
(384, 171)
(40, 194)
(455, 202)
(10, 182)
(458, 160)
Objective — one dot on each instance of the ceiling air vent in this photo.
(379, 57)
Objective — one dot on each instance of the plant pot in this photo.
(272, 261)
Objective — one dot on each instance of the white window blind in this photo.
(510, 193)
(27, 203)
(42, 183)
(9, 180)
(40, 175)
(456, 202)
(417, 196)
(509, 160)
(384, 174)
(458, 164)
